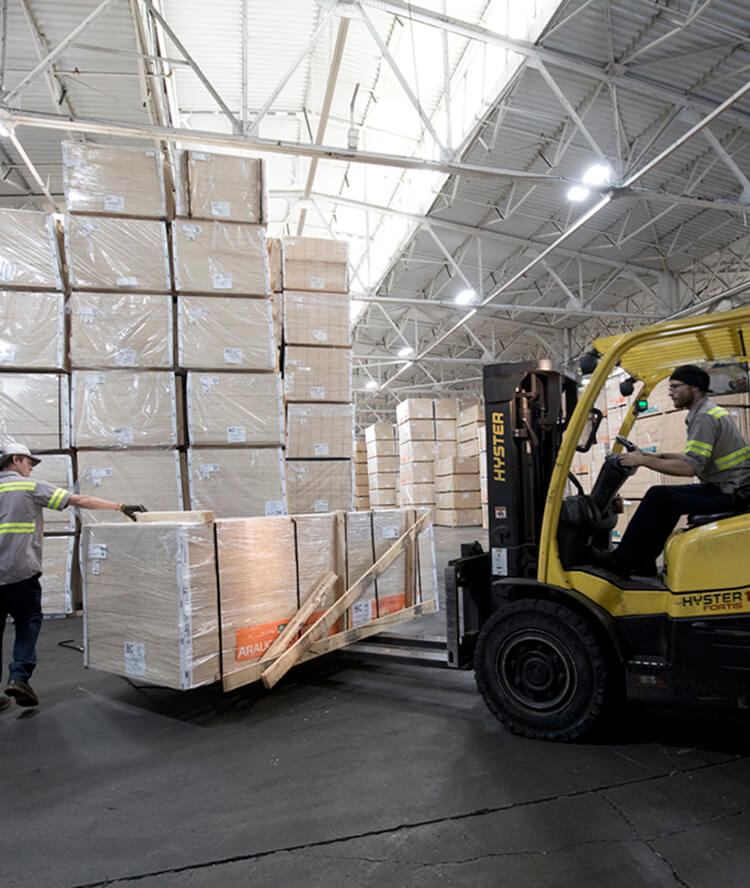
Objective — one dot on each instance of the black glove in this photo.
(131, 510)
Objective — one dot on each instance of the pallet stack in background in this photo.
(317, 369)
(382, 465)
(458, 492)
(417, 451)
(361, 476)
(34, 379)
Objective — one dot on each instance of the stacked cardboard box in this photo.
(382, 465)
(361, 476)
(317, 371)
(471, 429)
(417, 451)
(458, 492)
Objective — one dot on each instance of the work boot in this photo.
(4, 702)
(607, 558)
(23, 693)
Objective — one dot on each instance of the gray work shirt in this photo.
(22, 504)
(715, 447)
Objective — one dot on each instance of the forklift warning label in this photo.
(714, 601)
(498, 447)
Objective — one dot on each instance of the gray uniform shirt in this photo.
(716, 448)
(22, 504)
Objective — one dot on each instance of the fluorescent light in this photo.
(4, 131)
(578, 193)
(465, 297)
(598, 174)
(405, 351)
(371, 384)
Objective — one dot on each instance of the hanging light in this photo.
(405, 351)
(465, 297)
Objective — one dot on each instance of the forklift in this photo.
(556, 642)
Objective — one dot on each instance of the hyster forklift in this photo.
(553, 639)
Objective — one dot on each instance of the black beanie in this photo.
(692, 375)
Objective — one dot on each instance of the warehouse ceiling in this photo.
(444, 140)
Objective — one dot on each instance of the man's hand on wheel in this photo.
(131, 510)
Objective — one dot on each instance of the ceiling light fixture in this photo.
(598, 174)
(405, 351)
(465, 297)
(371, 384)
(578, 193)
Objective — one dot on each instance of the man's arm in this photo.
(667, 463)
(82, 501)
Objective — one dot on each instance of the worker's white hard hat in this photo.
(15, 449)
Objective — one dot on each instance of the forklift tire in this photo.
(541, 670)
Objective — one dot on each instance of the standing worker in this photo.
(715, 451)
(22, 502)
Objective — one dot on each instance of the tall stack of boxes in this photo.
(317, 367)
(382, 465)
(34, 382)
(417, 451)
(471, 430)
(361, 476)
(458, 492)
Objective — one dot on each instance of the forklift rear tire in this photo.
(541, 670)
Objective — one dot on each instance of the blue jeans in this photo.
(23, 601)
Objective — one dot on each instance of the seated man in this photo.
(715, 451)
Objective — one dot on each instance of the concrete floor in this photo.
(355, 773)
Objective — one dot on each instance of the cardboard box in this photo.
(471, 415)
(120, 330)
(319, 485)
(416, 430)
(417, 494)
(28, 250)
(113, 180)
(457, 465)
(34, 410)
(223, 186)
(315, 264)
(257, 585)
(446, 449)
(234, 408)
(383, 480)
(225, 333)
(382, 449)
(446, 429)
(274, 263)
(124, 408)
(385, 498)
(362, 503)
(57, 469)
(379, 464)
(462, 499)
(414, 409)
(467, 432)
(317, 319)
(151, 477)
(317, 546)
(379, 431)
(151, 602)
(446, 408)
(482, 439)
(220, 258)
(117, 254)
(317, 374)
(417, 473)
(417, 451)
(449, 483)
(387, 527)
(316, 431)
(234, 481)
(458, 517)
(57, 571)
(469, 448)
(32, 332)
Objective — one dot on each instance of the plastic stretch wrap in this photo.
(322, 485)
(276, 312)
(457, 483)
(32, 331)
(417, 473)
(446, 449)
(468, 432)
(225, 333)
(385, 498)
(220, 256)
(150, 602)
(57, 468)
(469, 415)
(274, 263)
(235, 408)
(222, 186)
(458, 517)
(465, 448)
(384, 480)
(234, 481)
(446, 408)
(113, 180)
(417, 494)
(317, 374)
(459, 499)
(57, 570)
(151, 477)
(412, 409)
(457, 465)
(28, 250)
(120, 330)
(34, 410)
(257, 585)
(416, 430)
(446, 430)
(382, 449)
(117, 254)
(123, 408)
(417, 451)
(320, 549)
(379, 431)
(317, 318)
(377, 465)
(311, 263)
(317, 431)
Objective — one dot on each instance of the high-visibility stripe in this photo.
(733, 459)
(56, 498)
(700, 447)
(18, 527)
(718, 412)
(17, 485)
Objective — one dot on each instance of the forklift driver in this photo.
(715, 451)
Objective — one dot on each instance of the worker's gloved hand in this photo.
(131, 510)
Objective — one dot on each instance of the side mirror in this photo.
(595, 418)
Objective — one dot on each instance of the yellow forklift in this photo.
(554, 640)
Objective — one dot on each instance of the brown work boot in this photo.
(23, 693)
(4, 702)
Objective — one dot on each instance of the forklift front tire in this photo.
(541, 670)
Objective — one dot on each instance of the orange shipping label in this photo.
(253, 641)
(389, 604)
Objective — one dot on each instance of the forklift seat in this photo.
(697, 520)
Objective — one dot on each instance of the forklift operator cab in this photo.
(554, 640)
